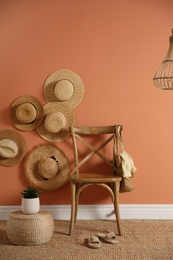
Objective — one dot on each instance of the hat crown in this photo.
(63, 90)
(55, 121)
(8, 148)
(26, 113)
(48, 168)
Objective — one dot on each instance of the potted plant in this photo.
(30, 201)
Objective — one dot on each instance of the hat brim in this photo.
(64, 74)
(19, 140)
(24, 99)
(64, 133)
(31, 167)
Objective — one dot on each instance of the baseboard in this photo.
(127, 211)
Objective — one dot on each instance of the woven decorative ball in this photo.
(33, 229)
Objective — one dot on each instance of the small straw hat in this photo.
(46, 167)
(12, 147)
(26, 113)
(64, 86)
(56, 122)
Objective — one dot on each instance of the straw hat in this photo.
(12, 147)
(64, 86)
(26, 113)
(57, 119)
(46, 167)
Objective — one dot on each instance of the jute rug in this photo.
(141, 240)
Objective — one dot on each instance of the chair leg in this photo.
(77, 201)
(116, 206)
(73, 207)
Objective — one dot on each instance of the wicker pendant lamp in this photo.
(163, 78)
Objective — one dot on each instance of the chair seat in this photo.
(95, 177)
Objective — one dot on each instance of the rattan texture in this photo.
(33, 229)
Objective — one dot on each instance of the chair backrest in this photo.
(81, 134)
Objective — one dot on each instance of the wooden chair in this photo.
(79, 181)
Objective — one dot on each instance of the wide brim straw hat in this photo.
(26, 113)
(56, 122)
(12, 147)
(64, 86)
(47, 167)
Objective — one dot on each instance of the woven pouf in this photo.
(33, 229)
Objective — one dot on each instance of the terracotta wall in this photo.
(115, 47)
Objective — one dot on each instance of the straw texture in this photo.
(141, 240)
(22, 116)
(31, 163)
(30, 229)
(49, 111)
(69, 78)
(20, 142)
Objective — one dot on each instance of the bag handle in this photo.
(119, 139)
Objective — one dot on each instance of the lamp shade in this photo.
(163, 78)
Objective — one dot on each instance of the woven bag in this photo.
(124, 164)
